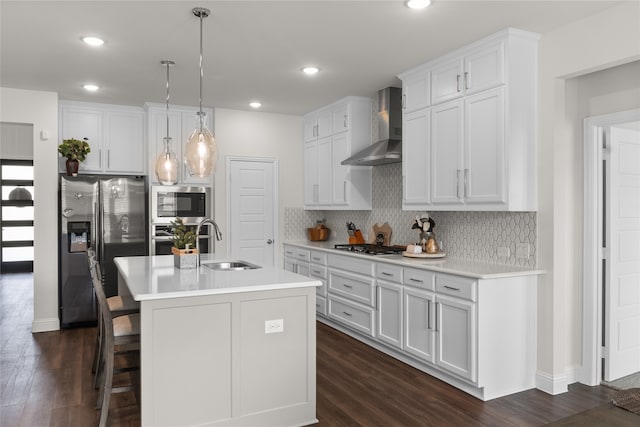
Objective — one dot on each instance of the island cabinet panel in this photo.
(238, 359)
(182, 350)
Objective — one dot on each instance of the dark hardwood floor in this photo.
(46, 380)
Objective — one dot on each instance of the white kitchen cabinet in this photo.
(318, 270)
(317, 124)
(332, 134)
(182, 122)
(481, 148)
(296, 260)
(389, 316)
(416, 128)
(415, 91)
(115, 134)
(456, 336)
(419, 323)
(480, 69)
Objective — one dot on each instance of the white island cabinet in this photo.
(223, 348)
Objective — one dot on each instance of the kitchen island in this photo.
(232, 348)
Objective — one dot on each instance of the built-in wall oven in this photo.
(168, 202)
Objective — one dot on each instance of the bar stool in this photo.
(119, 332)
(118, 306)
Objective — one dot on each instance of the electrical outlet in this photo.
(503, 252)
(522, 251)
(273, 326)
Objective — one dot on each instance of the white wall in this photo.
(598, 42)
(253, 134)
(41, 110)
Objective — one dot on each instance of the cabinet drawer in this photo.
(389, 272)
(303, 254)
(351, 314)
(290, 251)
(351, 264)
(418, 278)
(318, 257)
(352, 287)
(461, 287)
(321, 305)
(318, 271)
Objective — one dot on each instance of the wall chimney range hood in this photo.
(388, 149)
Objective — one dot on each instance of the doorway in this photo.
(252, 209)
(611, 292)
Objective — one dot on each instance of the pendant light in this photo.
(167, 162)
(200, 152)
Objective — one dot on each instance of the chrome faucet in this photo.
(215, 226)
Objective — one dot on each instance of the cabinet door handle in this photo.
(384, 273)
(347, 286)
(301, 256)
(466, 183)
(317, 271)
(100, 157)
(345, 121)
(458, 183)
(466, 80)
(428, 314)
(346, 313)
(108, 159)
(436, 329)
(458, 83)
(344, 189)
(315, 258)
(452, 288)
(416, 280)
(404, 100)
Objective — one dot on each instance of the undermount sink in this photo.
(229, 265)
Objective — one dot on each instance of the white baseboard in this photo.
(45, 325)
(552, 384)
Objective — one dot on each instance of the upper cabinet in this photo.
(182, 122)
(331, 134)
(470, 127)
(115, 134)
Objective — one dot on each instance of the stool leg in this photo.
(107, 383)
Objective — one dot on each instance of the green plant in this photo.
(183, 236)
(74, 149)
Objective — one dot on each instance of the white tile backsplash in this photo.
(471, 235)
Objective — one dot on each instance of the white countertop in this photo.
(155, 277)
(459, 266)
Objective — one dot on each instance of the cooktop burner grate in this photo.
(370, 249)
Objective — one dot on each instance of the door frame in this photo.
(592, 315)
(276, 221)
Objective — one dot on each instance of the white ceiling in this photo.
(253, 50)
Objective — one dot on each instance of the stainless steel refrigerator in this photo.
(107, 213)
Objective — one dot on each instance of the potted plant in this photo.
(75, 150)
(185, 255)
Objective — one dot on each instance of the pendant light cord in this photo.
(168, 64)
(201, 70)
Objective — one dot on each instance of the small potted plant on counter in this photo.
(75, 150)
(185, 255)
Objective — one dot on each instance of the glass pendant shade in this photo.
(201, 153)
(167, 165)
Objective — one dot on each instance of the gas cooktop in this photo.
(370, 249)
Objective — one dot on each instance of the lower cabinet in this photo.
(476, 334)
(418, 322)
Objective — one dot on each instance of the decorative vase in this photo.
(72, 167)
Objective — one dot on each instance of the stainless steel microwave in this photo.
(168, 202)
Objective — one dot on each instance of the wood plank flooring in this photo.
(45, 380)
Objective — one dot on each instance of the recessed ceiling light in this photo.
(255, 104)
(91, 87)
(310, 70)
(418, 4)
(93, 41)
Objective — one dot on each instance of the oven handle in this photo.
(169, 238)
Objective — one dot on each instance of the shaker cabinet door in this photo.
(446, 153)
(80, 123)
(124, 142)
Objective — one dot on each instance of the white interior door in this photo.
(622, 279)
(252, 216)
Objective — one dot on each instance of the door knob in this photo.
(269, 242)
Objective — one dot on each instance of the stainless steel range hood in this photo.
(388, 149)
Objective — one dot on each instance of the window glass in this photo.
(17, 254)
(12, 234)
(17, 172)
(8, 188)
(14, 213)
